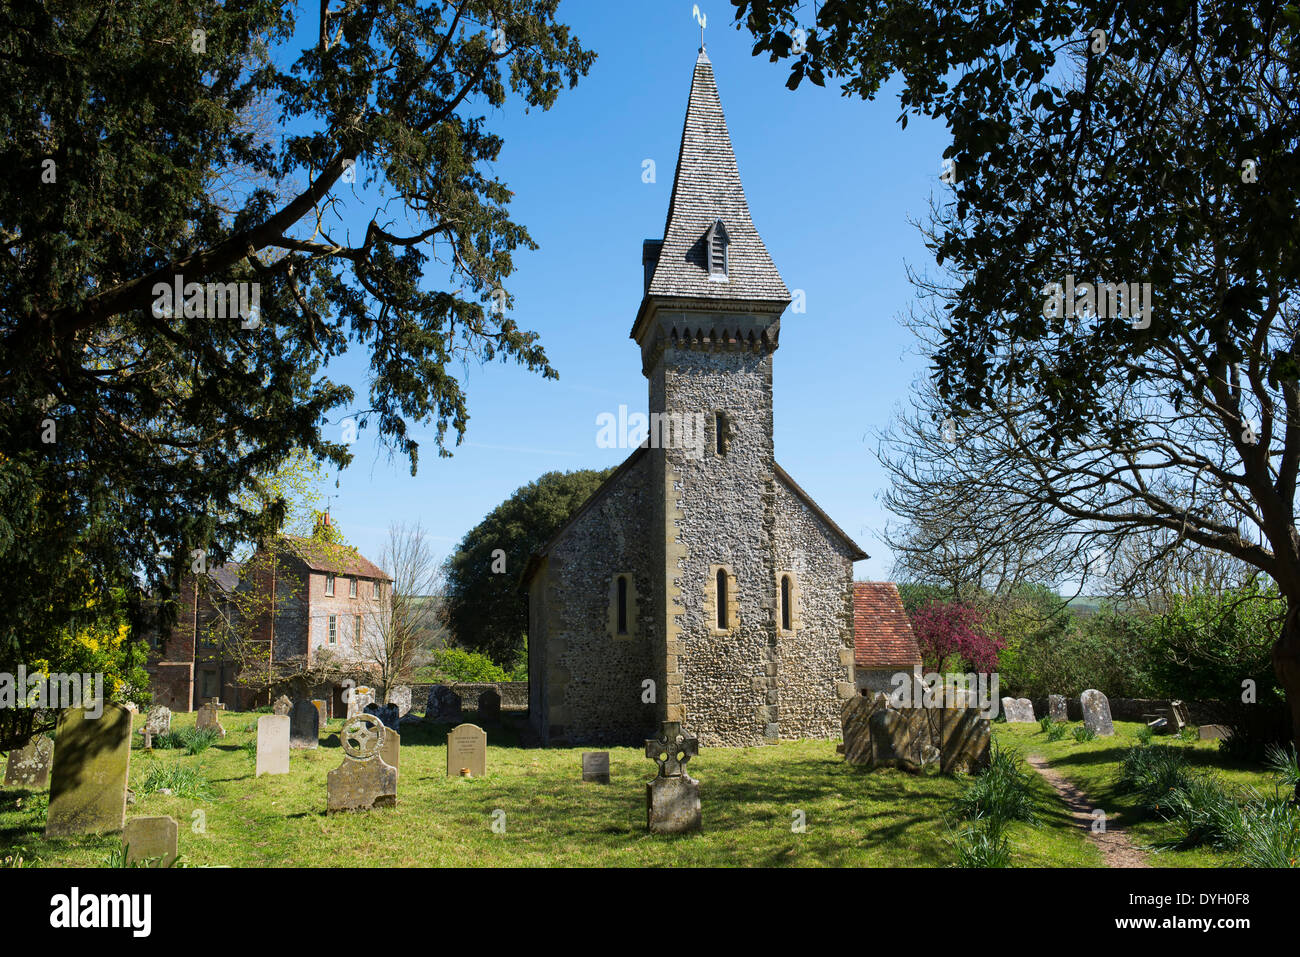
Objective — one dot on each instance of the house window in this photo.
(721, 600)
(334, 629)
(721, 433)
(622, 604)
(716, 241)
(352, 588)
(329, 583)
(785, 603)
(377, 592)
(357, 631)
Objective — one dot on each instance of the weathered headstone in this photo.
(159, 720)
(1096, 712)
(386, 713)
(322, 708)
(364, 780)
(595, 767)
(282, 705)
(1018, 710)
(489, 705)
(209, 717)
(1208, 732)
(400, 695)
(965, 741)
(391, 749)
(1057, 709)
(304, 725)
(272, 744)
(92, 757)
(672, 800)
(878, 733)
(29, 766)
(467, 749)
(358, 699)
(152, 840)
(1181, 716)
(443, 705)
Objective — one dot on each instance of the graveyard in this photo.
(531, 807)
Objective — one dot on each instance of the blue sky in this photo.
(833, 186)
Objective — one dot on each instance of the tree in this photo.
(1161, 155)
(955, 634)
(487, 610)
(136, 136)
(410, 622)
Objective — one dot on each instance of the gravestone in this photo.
(400, 695)
(1057, 709)
(29, 766)
(443, 705)
(1096, 712)
(159, 720)
(467, 749)
(489, 705)
(878, 733)
(364, 780)
(595, 767)
(304, 725)
(391, 750)
(152, 840)
(1018, 710)
(1181, 716)
(322, 708)
(92, 758)
(209, 717)
(672, 800)
(282, 705)
(358, 700)
(1208, 732)
(273, 744)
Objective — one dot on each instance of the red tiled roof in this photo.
(882, 633)
(340, 559)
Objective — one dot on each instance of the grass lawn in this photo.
(1093, 766)
(855, 818)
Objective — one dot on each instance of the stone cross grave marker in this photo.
(152, 840)
(595, 767)
(358, 698)
(209, 717)
(272, 744)
(304, 725)
(29, 766)
(673, 798)
(1096, 712)
(467, 748)
(92, 758)
(282, 705)
(364, 780)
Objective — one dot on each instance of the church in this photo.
(699, 583)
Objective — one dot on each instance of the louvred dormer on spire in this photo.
(710, 249)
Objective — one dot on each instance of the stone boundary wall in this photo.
(514, 695)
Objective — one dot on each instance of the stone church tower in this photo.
(719, 594)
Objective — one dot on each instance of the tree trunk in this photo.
(1286, 664)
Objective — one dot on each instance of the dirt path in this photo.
(1115, 847)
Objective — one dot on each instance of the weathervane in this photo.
(702, 20)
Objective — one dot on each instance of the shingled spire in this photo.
(706, 192)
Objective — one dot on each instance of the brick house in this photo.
(329, 604)
(883, 642)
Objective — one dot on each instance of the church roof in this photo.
(882, 632)
(706, 189)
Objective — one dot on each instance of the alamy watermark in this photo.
(212, 300)
(933, 690)
(1105, 300)
(665, 430)
(39, 690)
